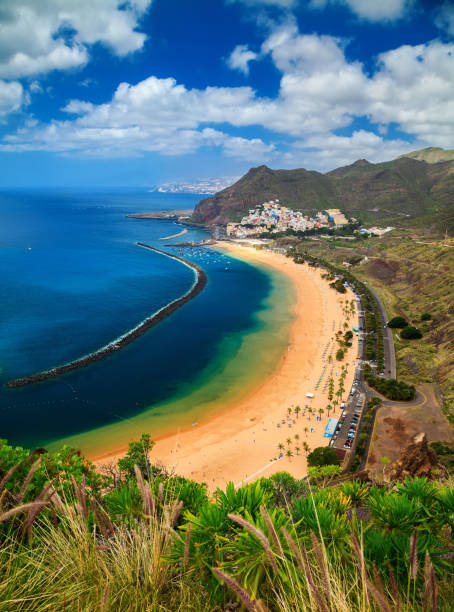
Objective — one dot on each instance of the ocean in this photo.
(72, 279)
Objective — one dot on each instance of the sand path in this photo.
(241, 443)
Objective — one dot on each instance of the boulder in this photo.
(416, 459)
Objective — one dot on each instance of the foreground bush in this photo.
(277, 544)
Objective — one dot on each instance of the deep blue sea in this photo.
(72, 279)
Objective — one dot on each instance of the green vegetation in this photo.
(338, 285)
(445, 452)
(339, 354)
(410, 333)
(161, 543)
(397, 322)
(322, 455)
(426, 316)
(405, 185)
(389, 387)
(364, 431)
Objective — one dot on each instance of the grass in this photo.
(315, 552)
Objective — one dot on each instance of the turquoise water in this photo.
(72, 279)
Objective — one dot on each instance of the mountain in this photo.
(401, 188)
(431, 155)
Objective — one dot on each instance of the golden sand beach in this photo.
(241, 443)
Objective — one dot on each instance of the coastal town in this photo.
(273, 217)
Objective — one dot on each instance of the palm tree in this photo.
(297, 449)
(310, 411)
(280, 447)
(289, 441)
(320, 411)
(306, 430)
(297, 437)
(306, 447)
(289, 454)
(297, 411)
(289, 411)
(328, 408)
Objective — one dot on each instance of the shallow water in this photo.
(72, 279)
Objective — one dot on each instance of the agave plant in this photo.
(356, 491)
(256, 548)
(247, 498)
(395, 513)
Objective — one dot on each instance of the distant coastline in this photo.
(128, 337)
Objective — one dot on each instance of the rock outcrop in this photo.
(416, 459)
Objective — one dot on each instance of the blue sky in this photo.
(140, 92)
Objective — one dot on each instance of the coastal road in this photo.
(388, 341)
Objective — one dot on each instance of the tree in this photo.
(297, 411)
(297, 449)
(306, 430)
(339, 354)
(307, 448)
(280, 446)
(289, 454)
(289, 411)
(322, 455)
(137, 455)
(410, 333)
(397, 322)
(297, 437)
(426, 316)
(321, 411)
(310, 411)
(289, 441)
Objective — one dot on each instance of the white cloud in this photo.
(240, 57)
(37, 36)
(320, 92)
(330, 151)
(11, 97)
(371, 10)
(445, 17)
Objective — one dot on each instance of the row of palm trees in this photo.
(289, 453)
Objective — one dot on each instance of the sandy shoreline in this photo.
(241, 443)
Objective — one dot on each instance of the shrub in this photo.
(340, 355)
(410, 333)
(426, 316)
(397, 322)
(389, 387)
(322, 455)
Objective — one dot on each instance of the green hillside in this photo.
(431, 155)
(402, 190)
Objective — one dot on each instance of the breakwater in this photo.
(182, 233)
(120, 342)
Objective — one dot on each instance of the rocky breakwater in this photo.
(128, 337)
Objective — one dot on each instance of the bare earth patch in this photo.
(395, 427)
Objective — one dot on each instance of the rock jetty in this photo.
(129, 336)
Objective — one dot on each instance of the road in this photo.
(362, 393)
(390, 354)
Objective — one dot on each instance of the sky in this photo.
(140, 92)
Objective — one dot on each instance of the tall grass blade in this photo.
(237, 589)
(258, 533)
(24, 508)
(272, 530)
(28, 480)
